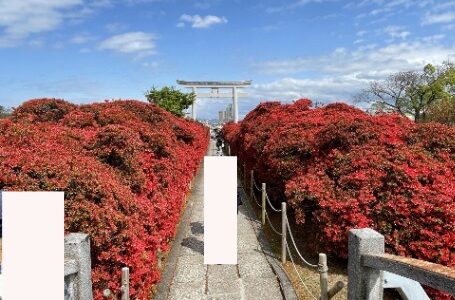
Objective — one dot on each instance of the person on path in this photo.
(219, 143)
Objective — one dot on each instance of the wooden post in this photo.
(125, 284)
(264, 204)
(323, 276)
(251, 184)
(283, 232)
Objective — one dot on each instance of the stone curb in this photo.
(163, 288)
(287, 288)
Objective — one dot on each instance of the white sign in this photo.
(220, 210)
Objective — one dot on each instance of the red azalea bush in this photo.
(341, 168)
(125, 167)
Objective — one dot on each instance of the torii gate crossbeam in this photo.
(214, 93)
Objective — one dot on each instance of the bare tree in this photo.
(411, 93)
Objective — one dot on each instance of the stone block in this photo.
(364, 283)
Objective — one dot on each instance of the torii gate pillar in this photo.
(235, 104)
(215, 86)
(193, 106)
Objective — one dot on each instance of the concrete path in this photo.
(252, 278)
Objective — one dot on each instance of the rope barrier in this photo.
(298, 274)
(255, 185)
(270, 223)
(256, 200)
(283, 234)
(295, 246)
(270, 203)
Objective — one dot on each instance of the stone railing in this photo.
(367, 263)
(78, 281)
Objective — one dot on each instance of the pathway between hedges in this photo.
(252, 278)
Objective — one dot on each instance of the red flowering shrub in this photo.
(125, 167)
(341, 168)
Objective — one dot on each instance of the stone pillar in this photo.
(193, 106)
(235, 104)
(363, 282)
(77, 248)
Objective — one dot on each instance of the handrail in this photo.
(427, 273)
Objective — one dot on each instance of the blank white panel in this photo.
(220, 210)
(33, 245)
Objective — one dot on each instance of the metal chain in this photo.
(298, 274)
(270, 223)
(270, 203)
(295, 246)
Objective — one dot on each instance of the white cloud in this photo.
(19, 19)
(198, 21)
(441, 18)
(85, 50)
(396, 32)
(81, 38)
(325, 89)
(36, 43)
(342, 73)
(388, 59)
(384, 9)
(294, 5)
(444, 5)
(205, 4)
(448, 27)
(115, 27)
(140, 44)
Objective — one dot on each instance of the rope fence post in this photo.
(283, 232)
(264, 205)
(125, 284)
(323, 276)
(251, 183)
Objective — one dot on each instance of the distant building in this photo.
(229, 115)
(221, 117)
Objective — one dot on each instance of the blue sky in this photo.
(326, 50)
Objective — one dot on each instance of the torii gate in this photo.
(214, 93)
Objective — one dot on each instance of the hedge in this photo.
(339, 167)
(125, 167)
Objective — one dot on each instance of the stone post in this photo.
(125, 283)
(323, 276)
(363, 282)
(77, 248)
(264, 204)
